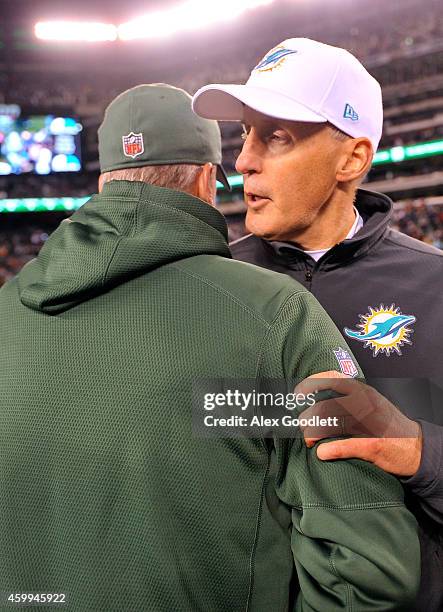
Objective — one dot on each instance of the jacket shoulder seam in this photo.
(256, 537)
(348, 589)
(352, 507)
(410, 248)
(265, 340)
(183, 212)
(111, 259)
(271, 325)
(232, 297)
(128, 199)
(121, 237)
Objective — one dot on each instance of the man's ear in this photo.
(206, 184)
(356, 160)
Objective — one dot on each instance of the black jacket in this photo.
(395, 282)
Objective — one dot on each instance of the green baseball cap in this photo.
(154, 124)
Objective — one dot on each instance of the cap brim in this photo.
(227, 103)
(221, 176)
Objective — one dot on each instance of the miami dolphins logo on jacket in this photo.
(384, 330)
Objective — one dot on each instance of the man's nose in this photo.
(249, 160)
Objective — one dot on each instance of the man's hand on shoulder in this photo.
(381, 433)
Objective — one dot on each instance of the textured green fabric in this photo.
(104, 492)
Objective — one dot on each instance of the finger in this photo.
(332, 418)
(355, 408)
(323, 409)
(340, 384)
(328, 374)
(330, 429)
(356, 448)
(308, 381)
(358, 406)
(311, 441)
(324, 420)
(367, 415)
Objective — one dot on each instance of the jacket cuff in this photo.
(428, 480)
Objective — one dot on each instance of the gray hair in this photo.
(181, 177)
(338, 134)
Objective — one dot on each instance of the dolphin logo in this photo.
(273, 57)
(384, 330)
(387, 328)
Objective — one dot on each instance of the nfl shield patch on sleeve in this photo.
(346, 363)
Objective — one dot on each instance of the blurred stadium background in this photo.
(53, 94)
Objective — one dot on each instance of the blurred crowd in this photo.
(377, 37)
(50, 186)
(17, 247)
(401, 45)
(420, 221)
(21, 244)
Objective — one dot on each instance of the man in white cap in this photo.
(313, 120)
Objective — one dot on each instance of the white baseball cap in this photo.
(303, 80)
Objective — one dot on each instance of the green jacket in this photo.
(105, 493)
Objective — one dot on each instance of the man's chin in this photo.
(256, 224)
(269, 234)
(259, 228)
(260, 232)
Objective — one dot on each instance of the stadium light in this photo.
(16, 205)
(75, 31)
(191, 15)
(400, 153)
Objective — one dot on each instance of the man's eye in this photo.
(244, 135)
(277, 136)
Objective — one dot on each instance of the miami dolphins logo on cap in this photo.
(384, 330)
(133, 145)
(274, 59)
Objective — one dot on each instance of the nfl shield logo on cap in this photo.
(347, 365)
(133, 145)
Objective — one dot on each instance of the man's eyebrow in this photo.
(272, 124)
(263, 128)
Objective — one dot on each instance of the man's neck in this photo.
(330, 226)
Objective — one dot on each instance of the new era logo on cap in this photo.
(350, 113)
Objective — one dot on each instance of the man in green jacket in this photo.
(107, 497)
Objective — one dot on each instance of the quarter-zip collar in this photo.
(375, 208)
